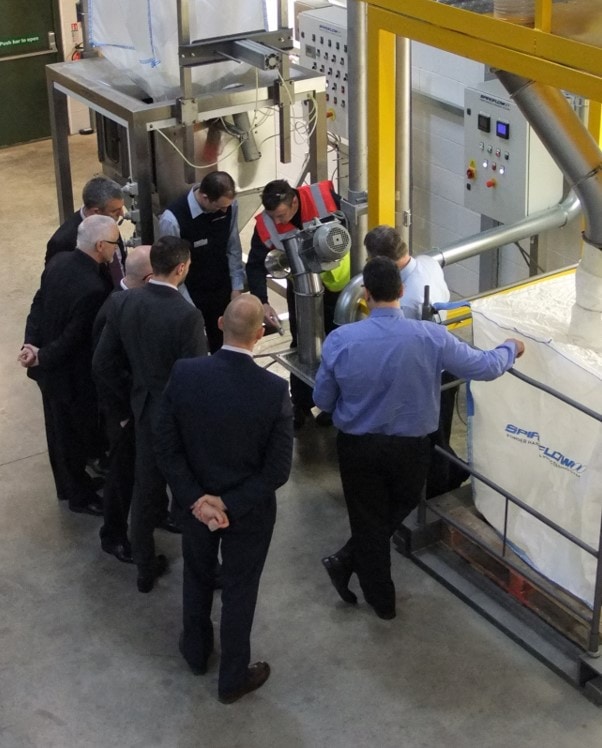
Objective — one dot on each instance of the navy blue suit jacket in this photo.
(225, 428)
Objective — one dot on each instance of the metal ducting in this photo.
(579, 158)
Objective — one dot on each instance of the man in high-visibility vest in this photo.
(287, 209)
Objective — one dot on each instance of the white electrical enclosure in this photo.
(323, 40)
(509, 172)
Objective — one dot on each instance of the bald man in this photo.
(117, 495)
(224, 443)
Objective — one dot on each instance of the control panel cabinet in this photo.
(509, 172)
(323, 40)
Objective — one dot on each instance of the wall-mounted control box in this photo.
(509, 172)
(323, 40)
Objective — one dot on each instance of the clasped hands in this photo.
(28, 356)
(211, 510)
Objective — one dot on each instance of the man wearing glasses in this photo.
(57, 353)
(101, 196)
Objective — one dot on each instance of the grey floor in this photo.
(87, 661)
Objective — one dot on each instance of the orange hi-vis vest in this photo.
(316, 201)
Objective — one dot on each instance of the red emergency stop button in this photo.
(491, 183)
(471, 172)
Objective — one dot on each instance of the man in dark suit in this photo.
(224, 442)
(101, 196)
(147, 330)
(58, 353)
(119, 484)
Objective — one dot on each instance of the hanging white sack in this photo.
(533, 445)
(140, 37)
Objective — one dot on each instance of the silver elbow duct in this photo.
(578, 156)
(346, 309)
(572, 147)
(544, 220)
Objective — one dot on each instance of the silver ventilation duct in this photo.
(544, 220)
(579, 158)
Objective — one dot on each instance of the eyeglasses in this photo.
(108, 241)
(146, 277)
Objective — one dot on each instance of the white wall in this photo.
(439, 217)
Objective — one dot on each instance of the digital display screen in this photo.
(484, 123)
(502, 129)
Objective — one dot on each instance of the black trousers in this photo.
(212, 304)
(119, 484)
(444, 475)
(382, 478)
(71, 426)
(149, 499)
(244, 547)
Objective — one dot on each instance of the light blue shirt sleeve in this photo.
(234, 252)
(168, 224)
(326, 390)
(383, 375)
(461, 359)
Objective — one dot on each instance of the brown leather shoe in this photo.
(257, 674)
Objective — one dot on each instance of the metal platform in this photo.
(423, 543)
(290, 361)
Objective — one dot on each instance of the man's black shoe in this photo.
(257, 674)
(92, 507)
(121, 551)
(386, 615)
(300, 415)
(340, 574)
(169, 526)
(146, 577)
(194, 669)
(324, 419)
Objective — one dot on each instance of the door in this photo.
(29, 40)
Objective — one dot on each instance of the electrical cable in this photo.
(196, 166)
(527, 257)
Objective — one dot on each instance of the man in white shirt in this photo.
(416, 272)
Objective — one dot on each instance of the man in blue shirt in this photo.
(380, 379)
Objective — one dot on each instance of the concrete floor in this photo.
(86, 661)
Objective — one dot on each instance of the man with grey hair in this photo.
(57, 353)
(101, 196)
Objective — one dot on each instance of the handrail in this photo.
(594, 621)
